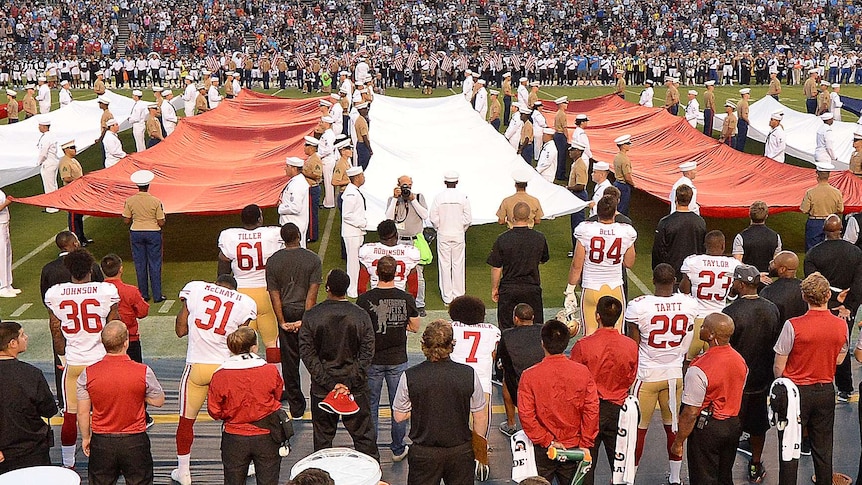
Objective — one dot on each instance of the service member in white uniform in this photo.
(65, 93)
(539, 125)
(49, 162)
(647, 95)
(547, 164)
(44, 96)
(523, 93)
(213, 95)
(835, 101)
(692, 109)
(353, 224)
(451, 215)
(776, 139)
(467, 86)
(293, 204)
(600, 178)
(825, 139)
(481, 104)
(689, 172)
(190, 95)
(513, 131)
(6, 289)
(113, 146)
(580, 137)
(138, 119)
(169, 113)
(328, 155)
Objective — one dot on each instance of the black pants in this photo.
(37, 457)
(712, 450)
(76, 226)
(238, 451)
(134, 351)
(548, 468)
(358, 425)
(429, 464)
(843, 373)
(115, 455)
(609, 417)
(511, 295)
(289, 343)
(817, 412)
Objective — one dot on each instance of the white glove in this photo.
(571, 302)
(482, 472)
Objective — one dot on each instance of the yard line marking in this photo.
(637, 281)
(453, 91)
(166, 306)
(32, 253)
(276, 93)
(324, 240)
(21, 309)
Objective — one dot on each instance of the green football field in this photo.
(190, 250)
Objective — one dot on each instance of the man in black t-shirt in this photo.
(293, 276)
(756, 328)
(785, 290)
(514, 262)
(393, 313)
(519, 349)
(678, 235)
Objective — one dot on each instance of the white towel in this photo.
(523, 457)
(627, 437)
(674, 406)
(791, 441)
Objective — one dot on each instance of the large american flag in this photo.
(412, 59)
(300, 60)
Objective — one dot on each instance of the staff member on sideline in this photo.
(713, 385)
(808, 349)
(244, 390)
(26, 400)
(116, 389)
(147, 217)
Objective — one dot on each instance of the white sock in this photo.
(183, 464)
(68, 455)
(675, 467)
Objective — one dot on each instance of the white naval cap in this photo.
(823, 163)
(44, 121)
(745, 91)
(324, 102)
(602, 166)
(111, 122)
(481, 81)
(450, 176)
(152, 106)
(709, 83)
(576, 146)
(103, 100)
(214, 79)
(521, 176)
(581, 117)
(827, 116)
(493, 92)
(343, 144)
(562, 99)
(354, 171)
(100, 72)
(534, 84)
(468, 71)
(507, 74)
(157, 89)
(362, 105)
(548, 131)
(648, 81)
(623, 140)
(142, 177)
(835, 85)
(310, 140)
(824, 83)
(327, 119)
(692, 92)
(777, 115)
(167, 92)
(11, 92)
(523, 80)
(188, 77)
(137, 92)
(294, 162)
(475, 74)
(64, 83)
(685, 167)
(68, 144)
(729, 104)
(857, 135)
(42, 79)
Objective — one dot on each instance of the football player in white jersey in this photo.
(406, 258)
(708, 278)
(211, 312)
(602, 249)
(662, 325)
(78, 312)
(243, 252)
(475, 342)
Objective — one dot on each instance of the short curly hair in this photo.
(438, 340)
(815, 289)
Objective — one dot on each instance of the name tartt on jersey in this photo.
(668, 307)
(78, 290)
(222, 291)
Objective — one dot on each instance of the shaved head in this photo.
(720, 326)
(832, 224)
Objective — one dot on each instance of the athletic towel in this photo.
(784, 415)
(627, 435)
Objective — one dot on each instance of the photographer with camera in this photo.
(409, 210)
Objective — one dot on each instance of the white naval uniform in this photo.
(775, 145)
(580, 136)
(539, 124)
(113, 149)
(646, 97)
(692, 111)
(523, 95)
(692, 206)
(169, 116)
(598, 192)
(451, 215)
(513, 131)
(44, 98)
(49, 162)
(138, 119)
(467, 88)
(5, 247)
(836, 105)
(190, 95)
(293, 205)
(337, 113)
(213, 97)
(353, 224)
(65, 97)
(547, 164)
(328, 156)
(481, 106)
(825, 143)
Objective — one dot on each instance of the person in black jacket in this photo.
(785, 290)
(25, 440)
(679, 234)
(336, 344)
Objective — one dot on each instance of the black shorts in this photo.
(753, 415)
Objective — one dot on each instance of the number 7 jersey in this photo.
(605, 246)
(214, 313)
(83, 310)
(248, 250)
(666, 327)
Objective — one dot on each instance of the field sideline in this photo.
(191, 252)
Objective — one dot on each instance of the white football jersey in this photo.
(473, 346)
(83, 310)
(605, 245)
(214, 313)
(248, 251)
(406, 257)
(666, 325)
(711, 277)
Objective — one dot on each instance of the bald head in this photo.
(719, 326)
(785, 264)
(832, 227)
(521, 212)
(115, 335)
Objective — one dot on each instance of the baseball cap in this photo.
(746, 273)
(342, 404)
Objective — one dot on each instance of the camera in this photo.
(405, 191)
